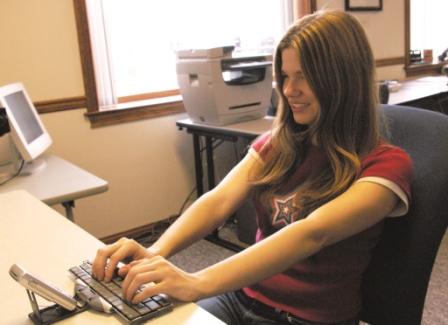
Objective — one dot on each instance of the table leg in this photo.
(214, 236)
(69, 205)
(198, 165)
(210, 162)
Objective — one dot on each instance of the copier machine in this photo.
(220, 88)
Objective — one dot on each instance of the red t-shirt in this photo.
(326, 286)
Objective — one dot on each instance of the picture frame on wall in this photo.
(363, 5)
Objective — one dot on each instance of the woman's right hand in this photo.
(108, 257)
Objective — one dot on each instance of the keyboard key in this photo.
(112, 292)
(151, 304)
(161, 300)
(141, 308)
(128, 311)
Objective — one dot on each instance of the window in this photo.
(131, 52)
(425, 26)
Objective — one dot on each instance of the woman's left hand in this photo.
(161, 276)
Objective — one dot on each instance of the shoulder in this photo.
(262, 141)
(385, 160)
(391, 167)
(261, 145)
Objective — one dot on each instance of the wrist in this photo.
(157, 250)
(153, 250)
(204, 286)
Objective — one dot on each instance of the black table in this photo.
(245, 130)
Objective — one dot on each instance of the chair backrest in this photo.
(396, 280)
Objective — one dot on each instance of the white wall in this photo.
(149, 163)
(385, 30)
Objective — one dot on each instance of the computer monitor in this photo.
(28, 133)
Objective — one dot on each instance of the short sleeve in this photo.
(261, 146)
(391, 167)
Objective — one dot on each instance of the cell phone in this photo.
(42, 288)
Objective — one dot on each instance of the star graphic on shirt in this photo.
(284, 211)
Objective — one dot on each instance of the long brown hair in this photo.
(337, 62)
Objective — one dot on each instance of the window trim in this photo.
(85, 49)
(122, 112)
(413, 70)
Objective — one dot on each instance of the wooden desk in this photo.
(58, 182)
(36, 237)
(427, 92)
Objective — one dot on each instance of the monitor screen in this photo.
(24, 116)
(27, 130)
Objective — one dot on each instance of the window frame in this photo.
(413, 70)
(120, 113)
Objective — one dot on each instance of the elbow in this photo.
(318, 240)
(215, 205)
(314, 238)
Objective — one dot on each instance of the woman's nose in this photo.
(290, 89)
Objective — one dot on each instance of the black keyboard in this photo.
(111, 292)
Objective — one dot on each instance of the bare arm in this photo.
(348, 214)
(351, 213)
(208, 212)
(201, 218)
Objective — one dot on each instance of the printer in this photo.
(220, 88)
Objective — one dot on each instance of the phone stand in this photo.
(51, 314)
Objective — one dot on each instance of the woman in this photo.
(322, 181)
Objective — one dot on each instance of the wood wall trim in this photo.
(129, 114)
(424, 69)
(407, 32)
(390, 61)
(62, 104)
(85, 50)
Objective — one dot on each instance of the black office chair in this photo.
(396, 281)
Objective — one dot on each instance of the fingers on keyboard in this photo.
(111, 291)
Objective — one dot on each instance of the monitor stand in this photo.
(31, 167)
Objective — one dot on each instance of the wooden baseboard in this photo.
(140, 231)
